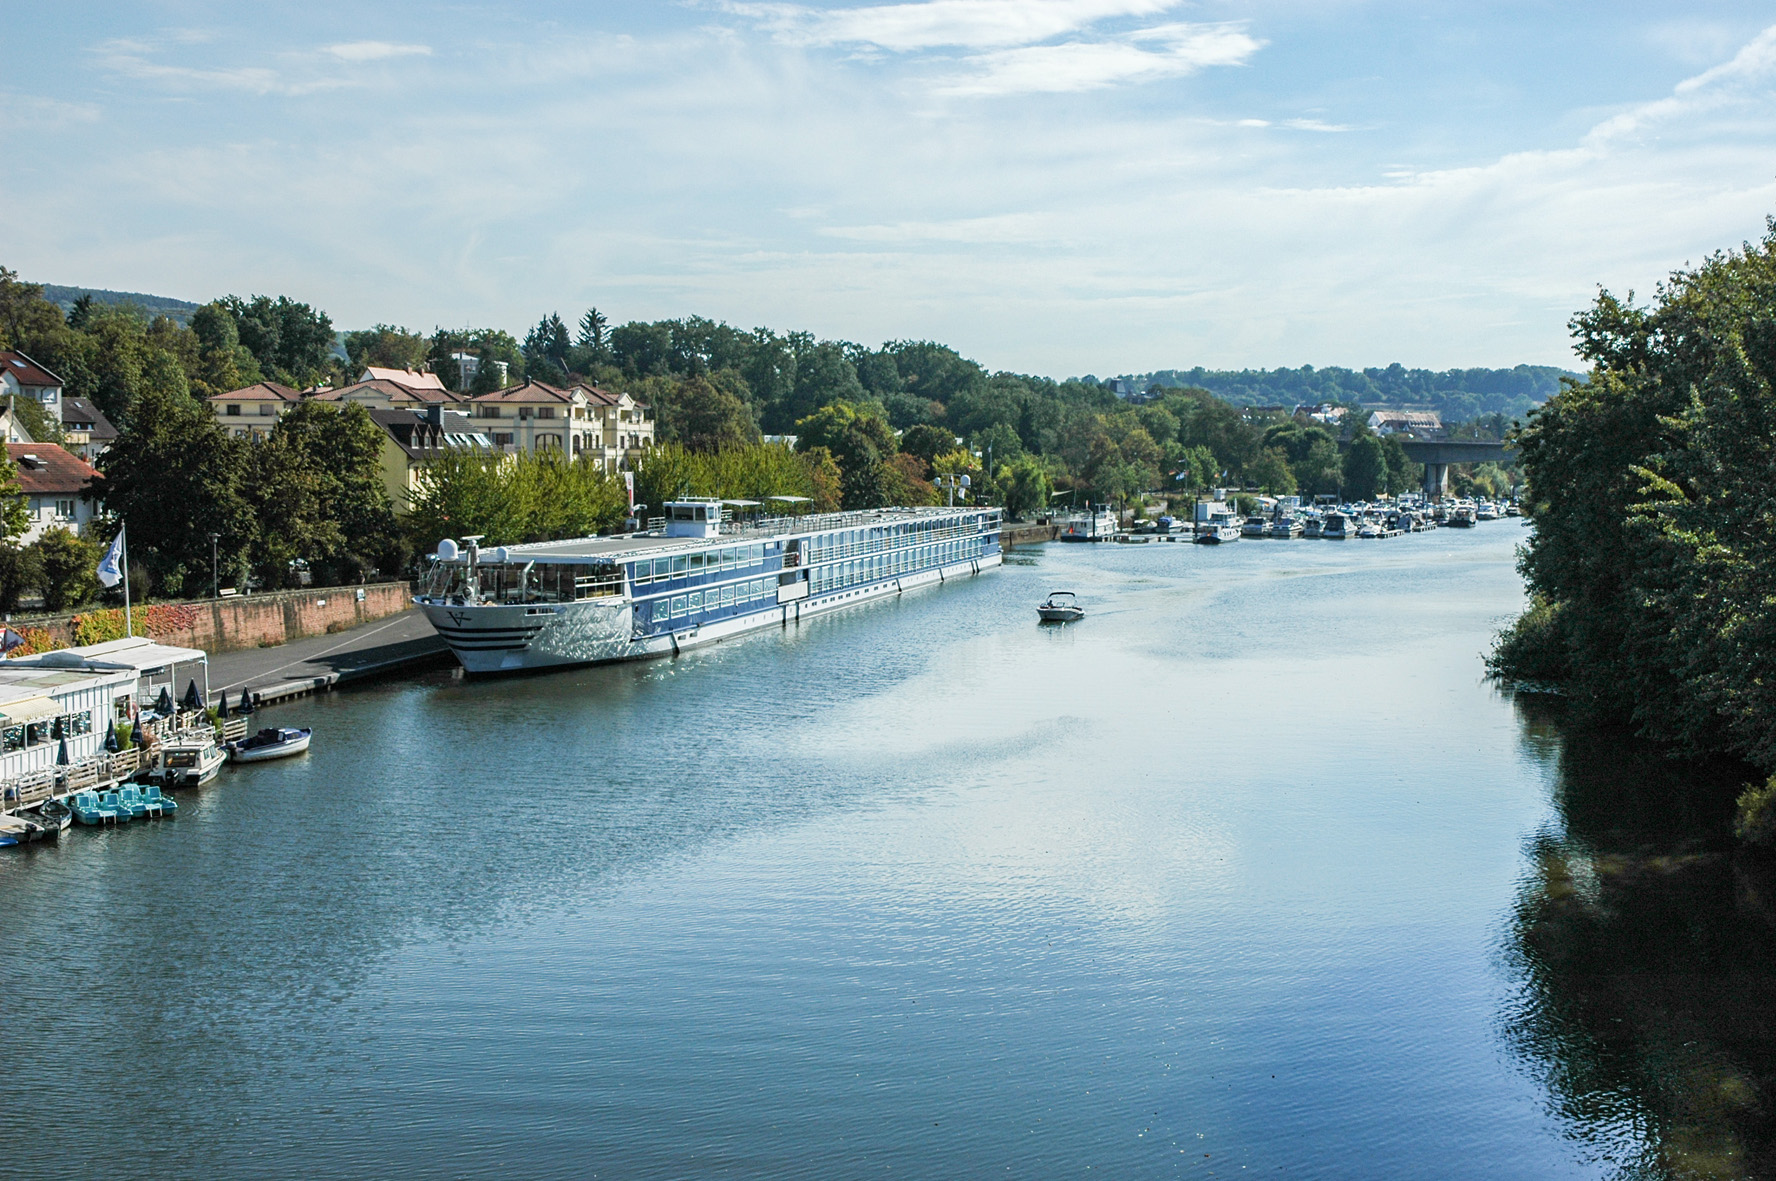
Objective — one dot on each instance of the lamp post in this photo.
(215, 570)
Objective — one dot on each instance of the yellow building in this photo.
(251, 412)
(412, 439)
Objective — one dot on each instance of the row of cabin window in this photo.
(30, 734)
(858, 570)
(850, 544)
(710, 562)
(715, 599)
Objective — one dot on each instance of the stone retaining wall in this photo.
(228, 625)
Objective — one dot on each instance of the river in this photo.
(1250, 873)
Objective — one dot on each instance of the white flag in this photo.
(110, 568)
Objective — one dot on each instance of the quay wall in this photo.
(1014, 535)
(225, 625)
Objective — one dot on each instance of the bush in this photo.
(69, 569)
(1755, 823)
(1535, 648)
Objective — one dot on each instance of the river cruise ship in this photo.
(695, 579)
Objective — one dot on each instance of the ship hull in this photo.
(496, 639)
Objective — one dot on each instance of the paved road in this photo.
(398, 641)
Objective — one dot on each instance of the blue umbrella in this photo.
(62, 759)
(163, 704)
(193, 699)
(111, 743)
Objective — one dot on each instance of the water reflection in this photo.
(1642, 947)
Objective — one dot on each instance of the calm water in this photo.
(1248, 874)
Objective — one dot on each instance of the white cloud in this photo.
(969, 24)
(371, 51)
(1086, 65)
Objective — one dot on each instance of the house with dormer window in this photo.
(251, 412)
(55, 485)
(23, 377)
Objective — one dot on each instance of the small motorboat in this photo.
(13, 831)
(1061, 607)
(184, 760)
(56, 815)
(273, 742)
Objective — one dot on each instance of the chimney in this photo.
(434, 415)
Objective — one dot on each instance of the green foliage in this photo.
(1271, 472)
(1755, 820)
(36, 419)
(1365, 468)
(67, 567)
(291, 341)
(705, 413)
(926, 442)
(512, 499)
(737, 473)
(385, 346)
(317, 496)
(1456, 394)
(21, 570)
(1651, 489)
(1024, 486)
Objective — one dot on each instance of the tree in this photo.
(385, 346)
(223, 363)
(21, 569)
(705, 415)
(926, 442)
(546, 349)
(1271, 472)
(318, 496)
(174, 477)
(592, 338)
(1365, 468)
(35, 418)
(1025, 486)
(291, 341)
(67, 566)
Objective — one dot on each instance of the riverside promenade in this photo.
(319, 663)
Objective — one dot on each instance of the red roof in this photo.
(394, 389)
(44, 469)
(528, 391)
(259, 391)
(26, 371)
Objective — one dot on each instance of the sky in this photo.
(1049, 186)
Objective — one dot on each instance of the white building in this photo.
(55, 484)
(19, 375)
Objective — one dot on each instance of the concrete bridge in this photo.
(1438, 454)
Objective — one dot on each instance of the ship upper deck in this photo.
(620, 546)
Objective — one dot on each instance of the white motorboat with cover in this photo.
(186, 759)
(1061, 607)
(273, 742)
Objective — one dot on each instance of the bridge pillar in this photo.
(1436, 480)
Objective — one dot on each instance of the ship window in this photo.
(678, 606)
(727, 596)
(758, 555)
(696, 600)
(679, 566)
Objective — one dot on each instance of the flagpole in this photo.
(129, 627)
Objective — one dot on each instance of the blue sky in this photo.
(1051, 186)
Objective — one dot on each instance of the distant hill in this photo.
(154, 305)
(1456, 394)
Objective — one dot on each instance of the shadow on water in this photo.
(1641, 944)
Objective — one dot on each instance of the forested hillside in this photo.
(1456, 394)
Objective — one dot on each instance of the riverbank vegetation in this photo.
(1652, 568)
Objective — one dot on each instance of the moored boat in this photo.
(1336, 527)
(184, 760)
(273, 742)
(88, 808)
(697, 579)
